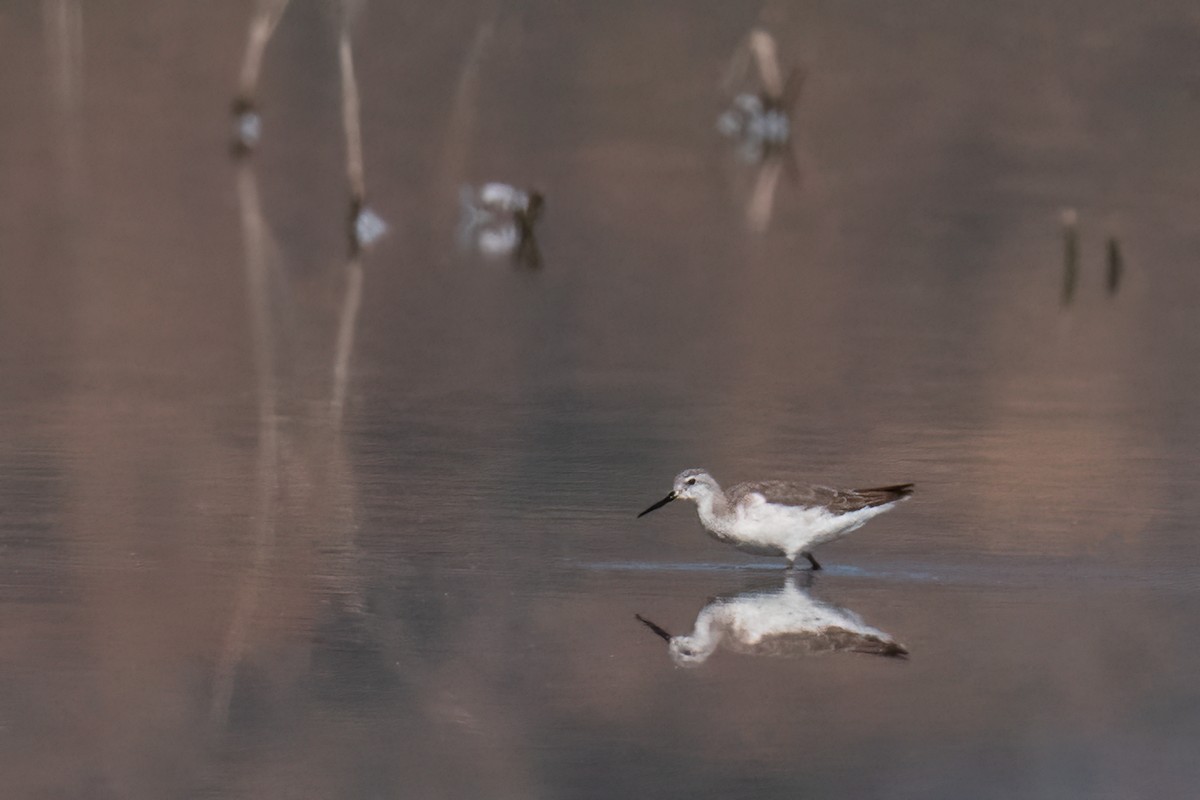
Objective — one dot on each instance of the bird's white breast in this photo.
(753, 619)
(792, 528)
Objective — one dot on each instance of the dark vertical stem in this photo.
(1070, 222)
(1115, 265)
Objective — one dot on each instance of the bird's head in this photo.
(691, 484)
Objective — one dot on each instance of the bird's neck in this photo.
(714, 508)
(706, 635)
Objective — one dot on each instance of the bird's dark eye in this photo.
(691, 481)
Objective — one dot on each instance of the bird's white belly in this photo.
(792, 529)
(754, 619)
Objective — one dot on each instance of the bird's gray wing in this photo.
(837, 501)
(784, 493)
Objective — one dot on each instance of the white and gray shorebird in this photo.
(778, 518)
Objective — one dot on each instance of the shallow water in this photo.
(219, 580)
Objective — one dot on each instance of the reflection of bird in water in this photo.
(499, 219)
(782, 622)
(777, 518)
(365, 226)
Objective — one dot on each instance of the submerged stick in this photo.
(1115, 265)
(1070, 220)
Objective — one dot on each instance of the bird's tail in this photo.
(882, 495)
(879, 647)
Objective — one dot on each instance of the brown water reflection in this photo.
(211, 585)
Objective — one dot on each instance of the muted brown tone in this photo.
(208, 589)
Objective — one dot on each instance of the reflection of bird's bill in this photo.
(659, 504)
(666, 636)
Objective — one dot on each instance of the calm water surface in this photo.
(215, 583)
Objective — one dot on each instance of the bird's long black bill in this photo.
(653, 627)
(659, 504)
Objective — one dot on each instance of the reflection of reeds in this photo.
(283, 462)
(356, 179)
(64, 50)
(351, 120)
(761, 206)
(777, 92)
(278, 467)
(364, 225)
(247, 124)
(267, 14)
(258, 247)
(345, 336)
(766, 58)
(63, 20)
(462, 109)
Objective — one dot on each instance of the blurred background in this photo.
(287, 515)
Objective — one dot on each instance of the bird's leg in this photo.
(811, 560)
